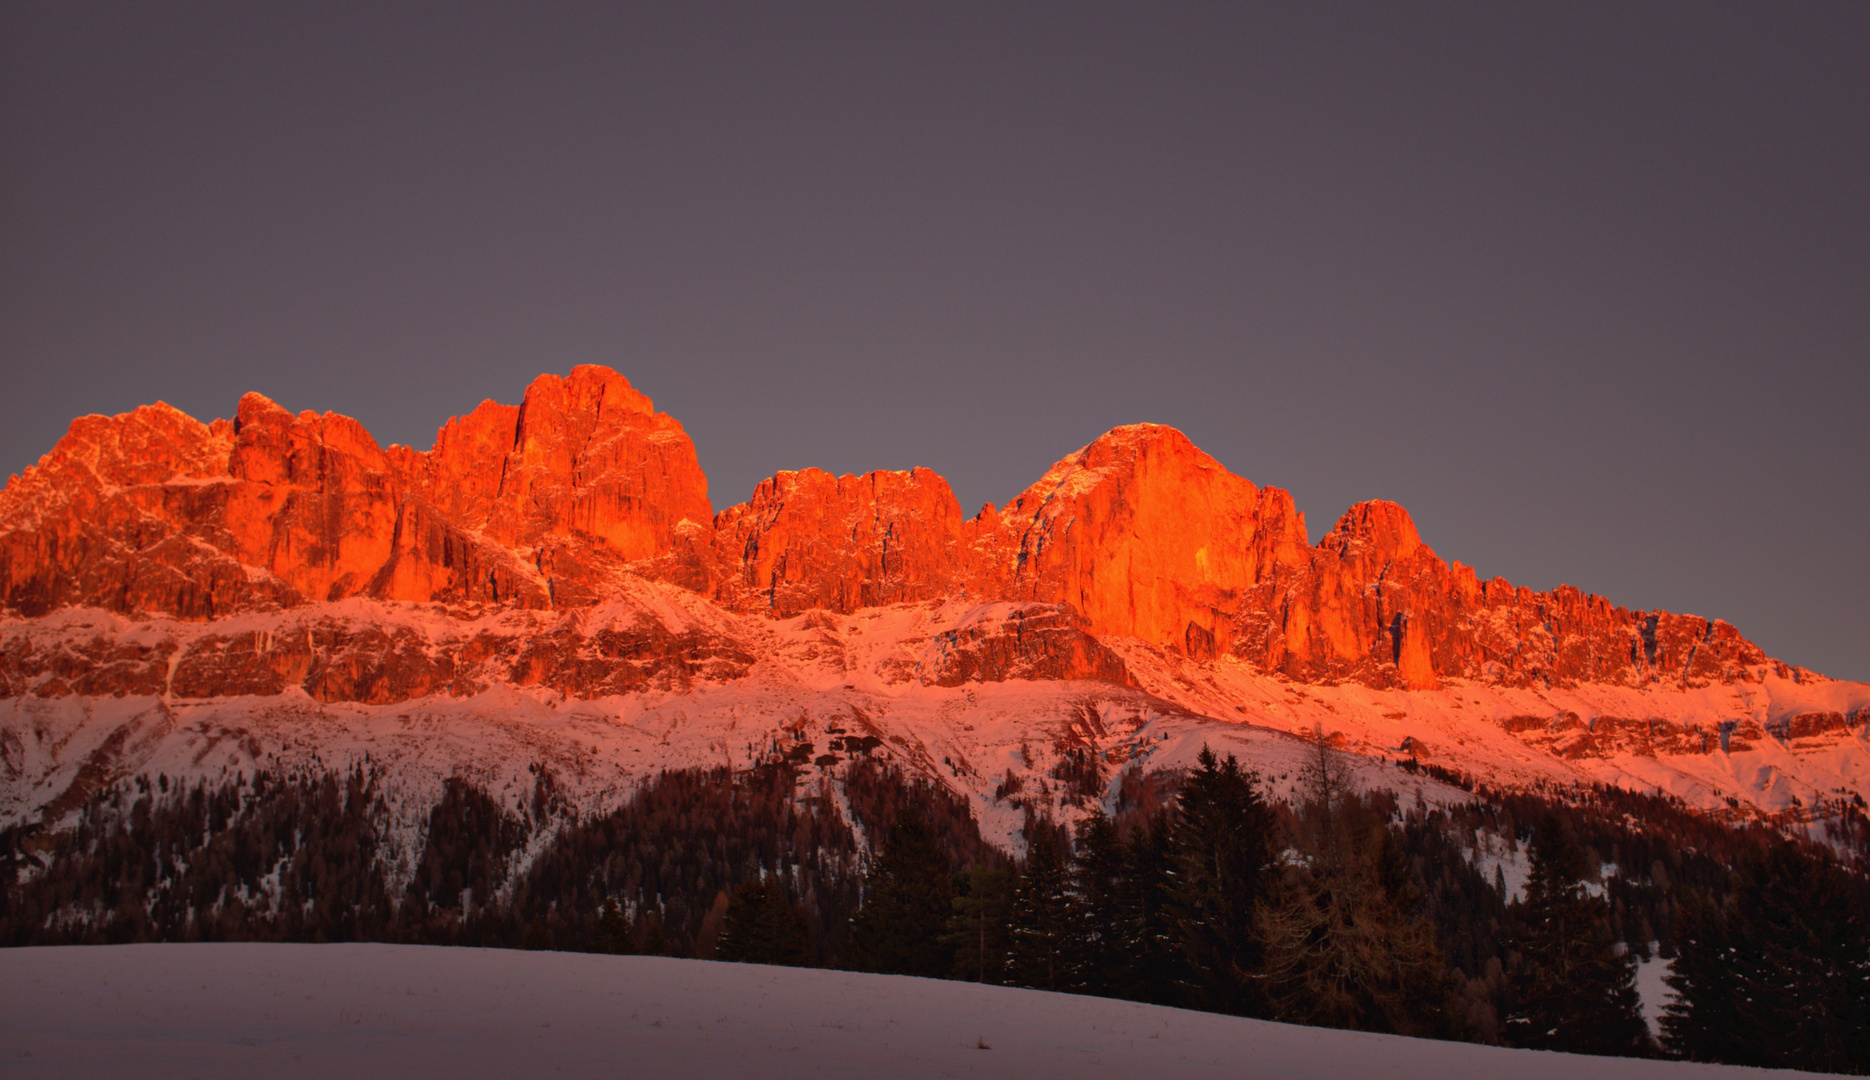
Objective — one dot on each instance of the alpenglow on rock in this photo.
(551, 503)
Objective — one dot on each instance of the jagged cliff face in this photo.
(812, 540)
(153, 511)
(552, 504)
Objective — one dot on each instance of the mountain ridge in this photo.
(541, 505)
(209, 598)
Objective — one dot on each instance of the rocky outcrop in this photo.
(123, 513)
(1000, 642)
(313, 500)
(1567, 735)
(1148, 537)
(593, 464)
(372, 657)
(1377, 605)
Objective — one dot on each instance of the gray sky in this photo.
(1585, 287)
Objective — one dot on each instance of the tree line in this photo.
(1344, 911)
(1341, 908)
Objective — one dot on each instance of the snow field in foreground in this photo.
(239, 1010)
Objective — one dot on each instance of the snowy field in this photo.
(245, 1010)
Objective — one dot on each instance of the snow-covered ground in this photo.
(242, 1010)
(1652, 988)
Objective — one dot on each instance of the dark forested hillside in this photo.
(1341, 908)
(266, 857)
(303, 858)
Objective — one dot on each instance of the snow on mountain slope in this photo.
(663, 679)
(1772, 744)
(213, 1010)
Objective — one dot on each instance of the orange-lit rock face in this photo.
(1375, 604)
(152, 511)
(1151, 538)
(461, 475)
(126, 513)
(314, 500)
(560, 501)
(811, 540)
(349, 659)
(1148, 537)
(1020, 641)
(1364, 600)
(591, 459)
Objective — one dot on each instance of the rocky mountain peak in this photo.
(1377, 531)
(561, 500)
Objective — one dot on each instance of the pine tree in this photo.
(1099, 880)
(1042, 942)
(1781, 978)
(908, 897)
(1152, 967)
(1576, 989)
(1220, 854)
(1707, 1021)
(977, 932)
(761, 926)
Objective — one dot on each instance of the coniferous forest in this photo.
(1341, 908)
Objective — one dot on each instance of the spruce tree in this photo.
(1710, 1018)
(1042, 941)
(1781, 977)
(1133, 944)
(762, 926)
(977, 932)
(1219, 859)
(908, 898)
(1576, 988)
(1099, 881)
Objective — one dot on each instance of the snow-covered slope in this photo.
(238, 1010)
(705, 686)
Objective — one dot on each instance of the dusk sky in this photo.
(1585, 287)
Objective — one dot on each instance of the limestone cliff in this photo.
(153, 511)
(557, 503)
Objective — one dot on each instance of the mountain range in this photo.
(550, 587)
